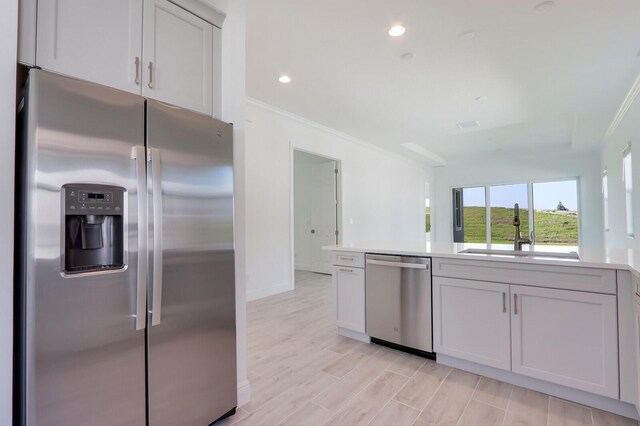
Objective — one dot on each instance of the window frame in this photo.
(530, 200)
(627, 179)
(605, 199)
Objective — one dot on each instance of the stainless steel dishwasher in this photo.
(398, 301)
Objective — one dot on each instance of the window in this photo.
(475, 215)
(549, 210)
(628, 188)
(555, 213)
(503, 198)
(605, 198)
(427, 205)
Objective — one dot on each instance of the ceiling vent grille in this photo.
(464, 125)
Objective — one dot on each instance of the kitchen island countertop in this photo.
(612, 258)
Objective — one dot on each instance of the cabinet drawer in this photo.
(552, 276)
(347, 258)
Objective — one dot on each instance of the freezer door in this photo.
(81, 353)
(191, 325)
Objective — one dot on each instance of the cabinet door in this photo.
(636, 308)
(178, 57)
(471, 321)
(94, 40)
(350, 303)
(566, 337)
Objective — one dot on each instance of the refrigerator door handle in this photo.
(156, 185)
(138, 155)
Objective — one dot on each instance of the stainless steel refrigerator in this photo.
(125, 293)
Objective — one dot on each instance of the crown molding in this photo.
(334, 132)
(632, 94)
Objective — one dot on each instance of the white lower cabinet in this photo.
(471, 321)
(564, 337)
(350, 298)
(636, 310)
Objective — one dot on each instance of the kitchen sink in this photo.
(553, 255)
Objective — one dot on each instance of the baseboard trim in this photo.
(269, 291)
(354, 335)
(303, 266)
(244, 393)
(559, 391)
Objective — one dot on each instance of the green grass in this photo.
(428, 219)
(552, 227)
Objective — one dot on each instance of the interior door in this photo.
(95, 40)
(178, 56)
(323, 215)
(191, 331)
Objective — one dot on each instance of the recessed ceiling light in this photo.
(284, 79)
(464, 125)
(543, 7)
(467, 35)
(396, 30)
(409, 56)
(481, 98)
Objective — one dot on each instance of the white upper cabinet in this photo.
(178, 56)
(471, 321)
(566, 337)
(94, 40)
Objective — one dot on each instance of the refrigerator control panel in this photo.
(83, 199)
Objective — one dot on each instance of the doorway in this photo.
(315, 210)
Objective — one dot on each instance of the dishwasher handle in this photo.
(398, 264)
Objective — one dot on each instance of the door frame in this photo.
(338, 161)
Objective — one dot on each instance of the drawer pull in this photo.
(346, 258)
(504, 302)
(346, 270)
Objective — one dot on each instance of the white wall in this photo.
(8, 56)
(628, 131)
(518, 169)
(234, 111)
(382, 194)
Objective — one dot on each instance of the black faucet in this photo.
(518, 241)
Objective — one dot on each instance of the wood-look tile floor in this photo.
(303, 373)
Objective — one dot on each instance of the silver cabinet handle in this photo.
(138, 154)
(156, 188)
(345, 258)
(504, 302)
(346, 270)
(150, 75)
(137, 80)
(515, 304)
(398, 264)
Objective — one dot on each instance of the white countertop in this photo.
(625, 259)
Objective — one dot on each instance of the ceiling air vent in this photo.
(467, 125)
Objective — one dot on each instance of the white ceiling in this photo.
(553, 81)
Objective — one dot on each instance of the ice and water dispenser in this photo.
(94, 227)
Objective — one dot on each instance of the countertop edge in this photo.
(488, 257)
